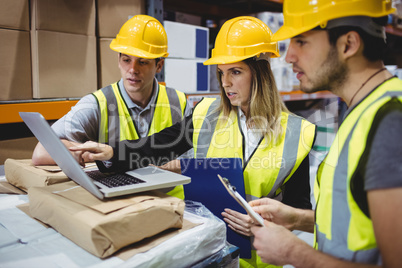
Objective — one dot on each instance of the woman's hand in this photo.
(238, 222)
(91, 151)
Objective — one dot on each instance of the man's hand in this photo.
(279, 213)
(173, 166)
(91, 151)
(275, 244)
(275, 211)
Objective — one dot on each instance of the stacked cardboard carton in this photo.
(15, 56)
(15, 67)
(58, 48)
(63, 46)
(49, 50)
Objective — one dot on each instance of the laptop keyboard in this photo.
(113, 180)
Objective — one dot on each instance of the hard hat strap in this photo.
(365, 23)
(263, 56)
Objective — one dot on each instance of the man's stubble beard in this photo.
(331, 75)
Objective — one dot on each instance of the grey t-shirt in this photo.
(81, 123)
(384, 165)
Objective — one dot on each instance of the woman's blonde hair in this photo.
(266, 104)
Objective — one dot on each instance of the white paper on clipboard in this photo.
(232, 191)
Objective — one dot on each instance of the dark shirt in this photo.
(384, 165)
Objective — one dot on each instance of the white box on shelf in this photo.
(187, 41)
(187, 75)
(274, 20)
(283, 74)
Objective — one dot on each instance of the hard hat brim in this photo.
(132, 51)
(286, 32)
(233, 59)
(223, 60)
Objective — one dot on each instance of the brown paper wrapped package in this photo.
(103, 227)
(23, 174)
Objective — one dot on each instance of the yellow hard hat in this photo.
(241, 38)
(141, 36)
(302, 16)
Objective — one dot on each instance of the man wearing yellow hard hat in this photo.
(135, 106)
(338, 45)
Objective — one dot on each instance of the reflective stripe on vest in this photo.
(209, 120)
(342, 229)
(270, 166)
(116, 123)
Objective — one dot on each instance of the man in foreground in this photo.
(338, 45)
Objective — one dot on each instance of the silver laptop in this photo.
(139, 180)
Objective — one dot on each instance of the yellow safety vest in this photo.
(169, 109)
(269, 167)
(342, 228)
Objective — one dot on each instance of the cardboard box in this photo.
(63, 65)
(108, 65)
(7, 188)
(103, 227)
(14, 14)
(17, 148)
(72, 16)
(187, 41)
(112, 14)
(15, 65)
(24, 175)
(186, 75)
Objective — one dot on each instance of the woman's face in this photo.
(236, 82)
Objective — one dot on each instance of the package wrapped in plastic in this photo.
(202, 242)
(228, 257)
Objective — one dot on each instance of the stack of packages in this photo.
(100, 227)
(103, 227)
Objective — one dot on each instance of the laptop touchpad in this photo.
(148, 171)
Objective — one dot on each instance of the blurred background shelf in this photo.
(55, 109)
(50, 109)
(298, 95)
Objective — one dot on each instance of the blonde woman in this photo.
(249, 121)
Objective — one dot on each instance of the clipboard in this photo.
(232, 191)
(205, 187)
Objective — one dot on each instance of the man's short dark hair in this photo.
(374, 47)
(156, 60)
